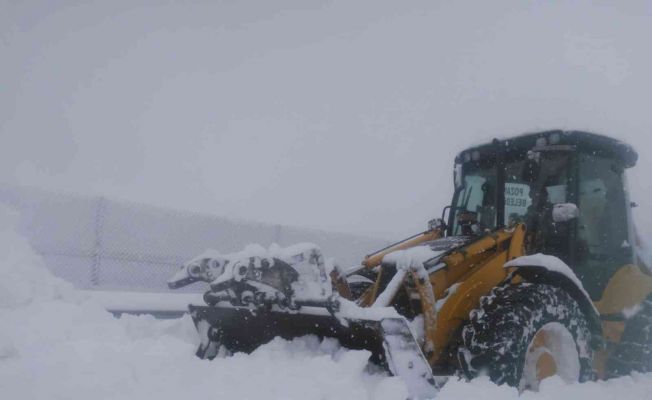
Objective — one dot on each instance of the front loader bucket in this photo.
(389, 340)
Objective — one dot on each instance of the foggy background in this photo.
(337, 115)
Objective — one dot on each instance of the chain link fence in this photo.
(102, 244)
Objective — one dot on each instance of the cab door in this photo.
(603, 236)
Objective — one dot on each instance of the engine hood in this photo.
(429, 252)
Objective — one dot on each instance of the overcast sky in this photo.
(340, 115)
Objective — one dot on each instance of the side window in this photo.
(603, 220)
(602, 235)
(474, 196)
(477, 198)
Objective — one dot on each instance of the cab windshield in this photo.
(531, 186)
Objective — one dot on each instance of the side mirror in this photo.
(565, 212)
(436, 223)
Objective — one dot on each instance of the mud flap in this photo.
(389, 340)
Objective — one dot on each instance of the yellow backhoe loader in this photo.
(533, 270)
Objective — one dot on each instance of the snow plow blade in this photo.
(390, 341)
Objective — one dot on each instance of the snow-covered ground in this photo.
(59, 343)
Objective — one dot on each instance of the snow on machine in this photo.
(532, 271)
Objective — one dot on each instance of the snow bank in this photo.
(56, 343)
(635, 387)
(24, 277)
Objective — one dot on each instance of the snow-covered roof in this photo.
(602, 144)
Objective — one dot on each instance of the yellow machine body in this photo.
(473, 271)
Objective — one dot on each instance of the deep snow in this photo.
(59, 343)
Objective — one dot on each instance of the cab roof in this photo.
(583, 141)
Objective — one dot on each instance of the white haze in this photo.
(332, 114)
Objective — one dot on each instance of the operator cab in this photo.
(567, 187)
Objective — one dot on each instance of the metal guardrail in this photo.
(160, 305)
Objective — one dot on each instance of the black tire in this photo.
(496, 339)
(634, 352)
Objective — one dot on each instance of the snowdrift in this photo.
(59, 343)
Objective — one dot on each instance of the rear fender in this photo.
(626, 289)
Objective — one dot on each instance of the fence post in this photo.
(97, 251)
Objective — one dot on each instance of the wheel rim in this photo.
(552, 351)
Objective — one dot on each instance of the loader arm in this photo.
(455, 282)
(375, 259)
(462, 278)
